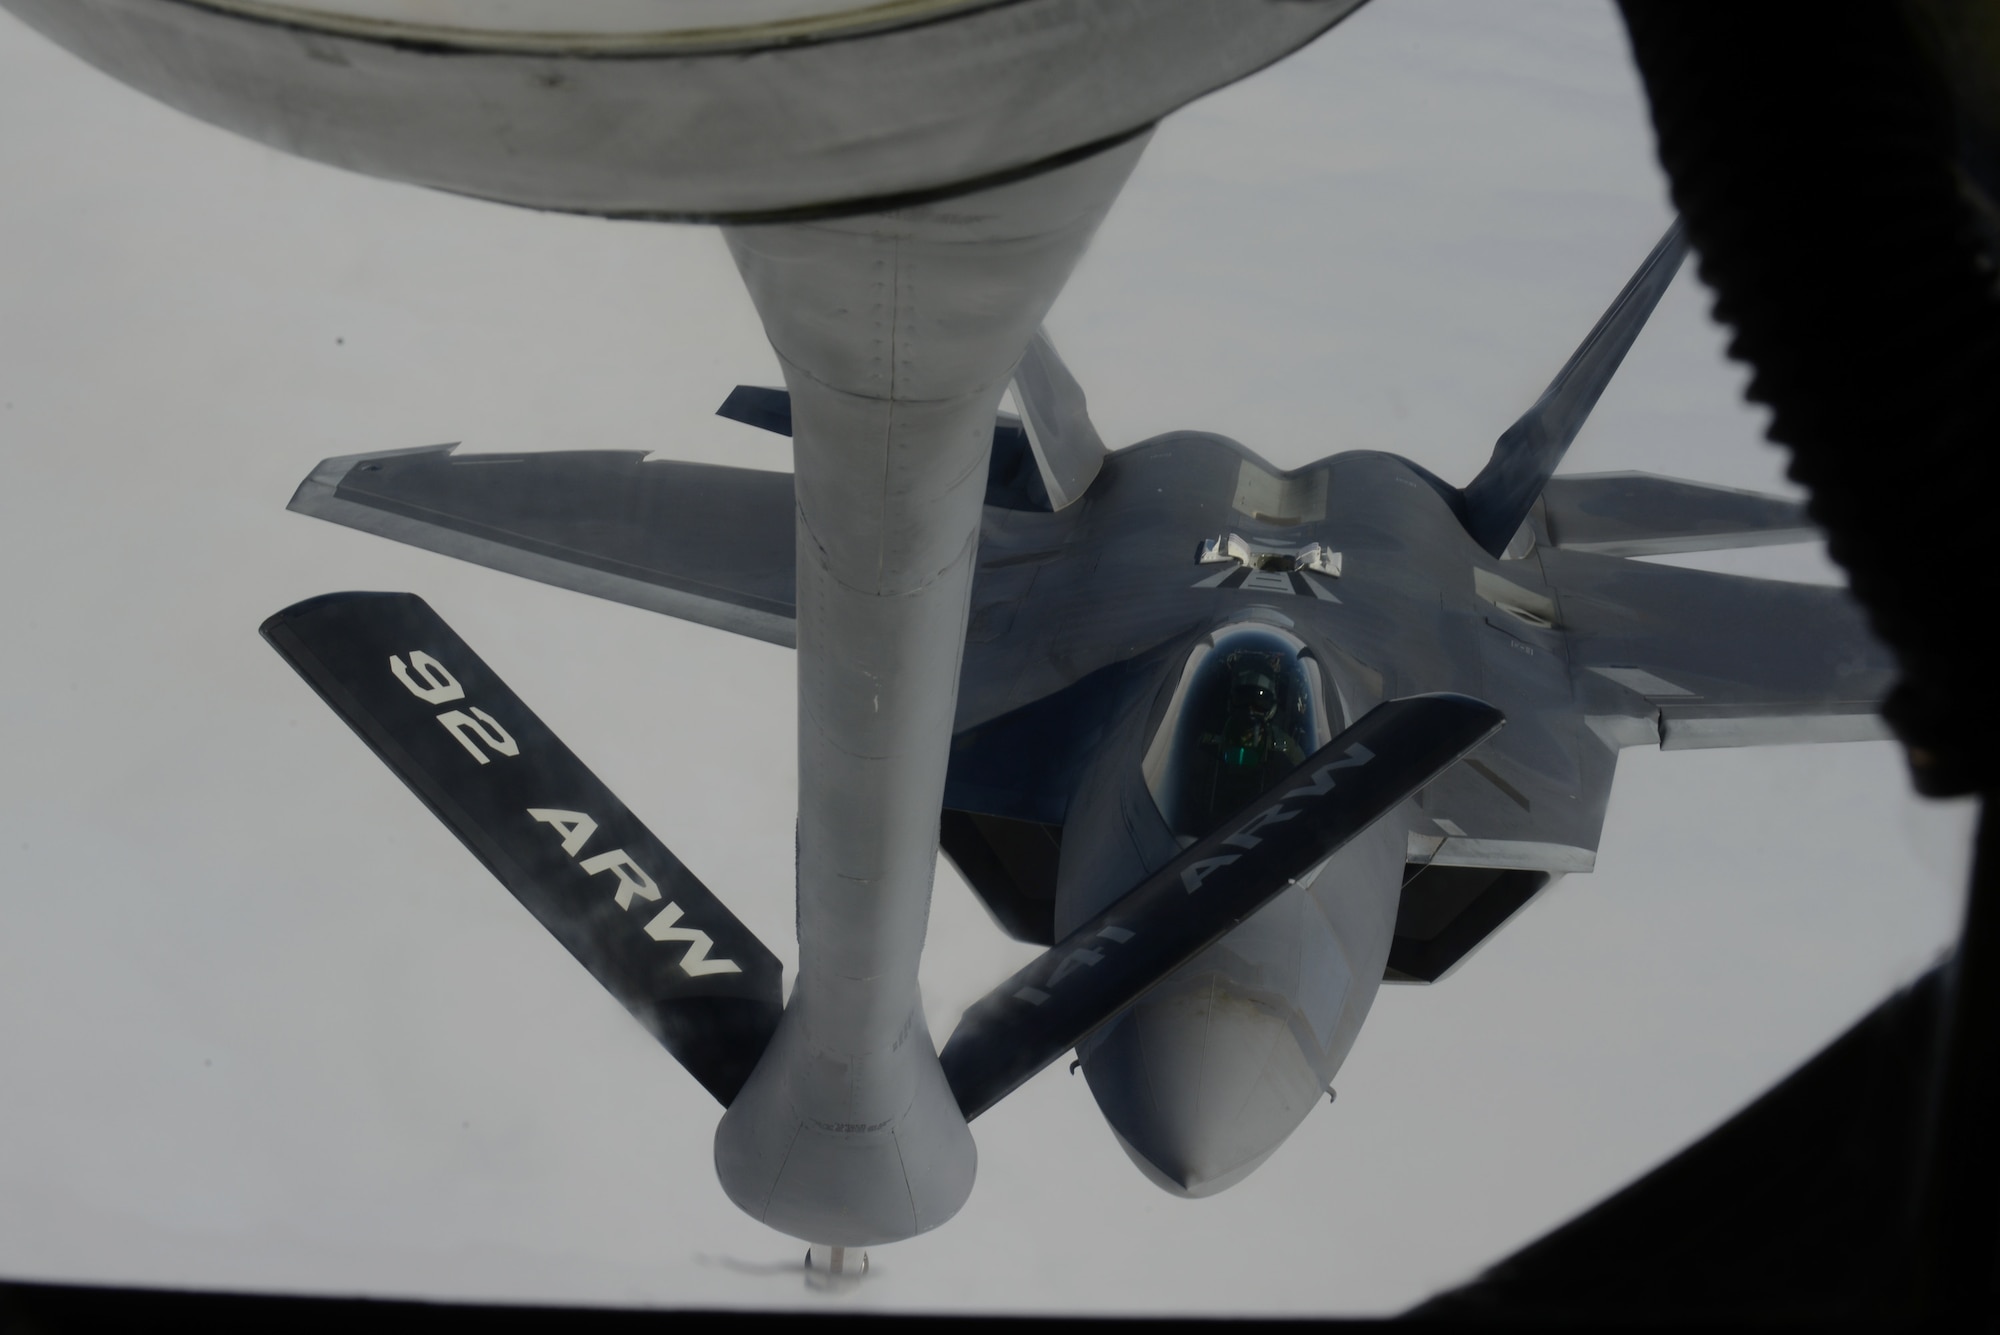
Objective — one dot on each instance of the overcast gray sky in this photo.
(265, 1024)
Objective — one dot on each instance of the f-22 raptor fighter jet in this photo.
(1228, 739)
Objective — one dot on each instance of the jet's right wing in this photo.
(696, 541)
(704, 543)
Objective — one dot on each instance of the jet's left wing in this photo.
(1640, 514)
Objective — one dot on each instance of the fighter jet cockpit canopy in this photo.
(1250, 706)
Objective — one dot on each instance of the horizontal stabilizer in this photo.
(696, 541)
(1525, 457)
(1700, 725)
(755, 405)
(1712, 660)
(542, 823)
(1173, 915)
(1638, 514)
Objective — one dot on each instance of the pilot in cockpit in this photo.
(1244, 717)
(1253, 739)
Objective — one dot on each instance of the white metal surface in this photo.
(768, 122)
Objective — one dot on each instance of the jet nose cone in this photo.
(1200, 1084)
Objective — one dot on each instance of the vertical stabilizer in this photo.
(1526, 455)
(1068, 450)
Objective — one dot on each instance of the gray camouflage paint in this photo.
(1586, 649)
(1584, 653)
